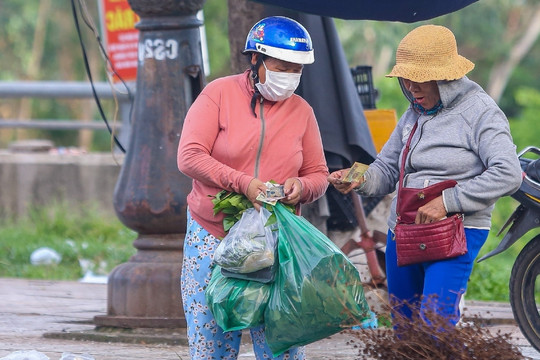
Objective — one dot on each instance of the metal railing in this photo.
(67, 90)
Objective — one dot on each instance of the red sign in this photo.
(121, 37)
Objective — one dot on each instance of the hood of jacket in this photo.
(451, 92)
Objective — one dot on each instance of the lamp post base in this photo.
(145, 291)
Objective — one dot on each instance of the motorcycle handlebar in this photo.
(532, 149)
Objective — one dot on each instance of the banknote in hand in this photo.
(275, 192)
(355, 173)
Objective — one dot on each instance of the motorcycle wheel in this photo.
(525, 291)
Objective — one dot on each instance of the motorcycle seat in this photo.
(533, 170)
(531, 182)
(529, 192)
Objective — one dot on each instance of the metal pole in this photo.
(50, 124)
(70, 90)
(59, 89)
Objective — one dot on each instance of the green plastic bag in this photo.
(236, 303)
(317, 291)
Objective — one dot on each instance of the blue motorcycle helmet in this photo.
(282, 38)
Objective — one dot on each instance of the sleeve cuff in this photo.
(359, 188)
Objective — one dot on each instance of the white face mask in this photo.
(278, 85)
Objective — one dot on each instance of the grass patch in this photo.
(100, 242)
(490, 279)
(86, 237)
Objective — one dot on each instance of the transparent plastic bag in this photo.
(317, 291)
(250, 245)
(26, 355)
(72, 356)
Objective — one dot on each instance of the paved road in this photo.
(50, 316)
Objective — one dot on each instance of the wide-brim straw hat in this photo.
(427, 53)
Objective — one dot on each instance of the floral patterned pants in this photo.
(206, 339)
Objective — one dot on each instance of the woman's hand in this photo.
(431, 212)
(255, 188)
(293, 191)
(341, 186)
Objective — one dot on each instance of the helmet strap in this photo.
(255, 76)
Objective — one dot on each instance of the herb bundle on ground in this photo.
(429, 336)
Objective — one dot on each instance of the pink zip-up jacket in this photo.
(222, 143)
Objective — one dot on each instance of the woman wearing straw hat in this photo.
(462, 135)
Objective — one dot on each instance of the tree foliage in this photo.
(215, 12)
(487, 43)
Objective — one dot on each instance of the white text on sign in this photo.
(158, 49)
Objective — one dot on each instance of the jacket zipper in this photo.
(409, 160)
(261, 140)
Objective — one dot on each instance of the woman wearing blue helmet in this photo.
(282, 46)
(241, 132)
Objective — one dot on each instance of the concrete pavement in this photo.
(55, 318)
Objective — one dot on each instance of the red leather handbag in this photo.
(444, 239)
(416, 243)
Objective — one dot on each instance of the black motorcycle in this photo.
(525, 276)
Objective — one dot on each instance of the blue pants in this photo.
(446, 280)
(206, 339)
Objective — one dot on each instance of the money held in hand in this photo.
(275, 192)
(355, 173)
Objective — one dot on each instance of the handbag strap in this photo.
(403, 160)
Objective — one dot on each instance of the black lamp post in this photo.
(150, 195)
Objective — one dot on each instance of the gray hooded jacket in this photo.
(468, 141)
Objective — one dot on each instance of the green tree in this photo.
(41, 35)
(524, 128)
(41, 43)
(216, 25)
(504, 49)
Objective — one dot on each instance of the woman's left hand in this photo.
(293, 191)
(341, 186)
(431, 212)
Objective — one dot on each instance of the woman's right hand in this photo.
(343, 187)
(255, 188)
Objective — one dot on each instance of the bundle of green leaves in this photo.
(233, 206)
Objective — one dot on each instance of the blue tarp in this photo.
(408, 11)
